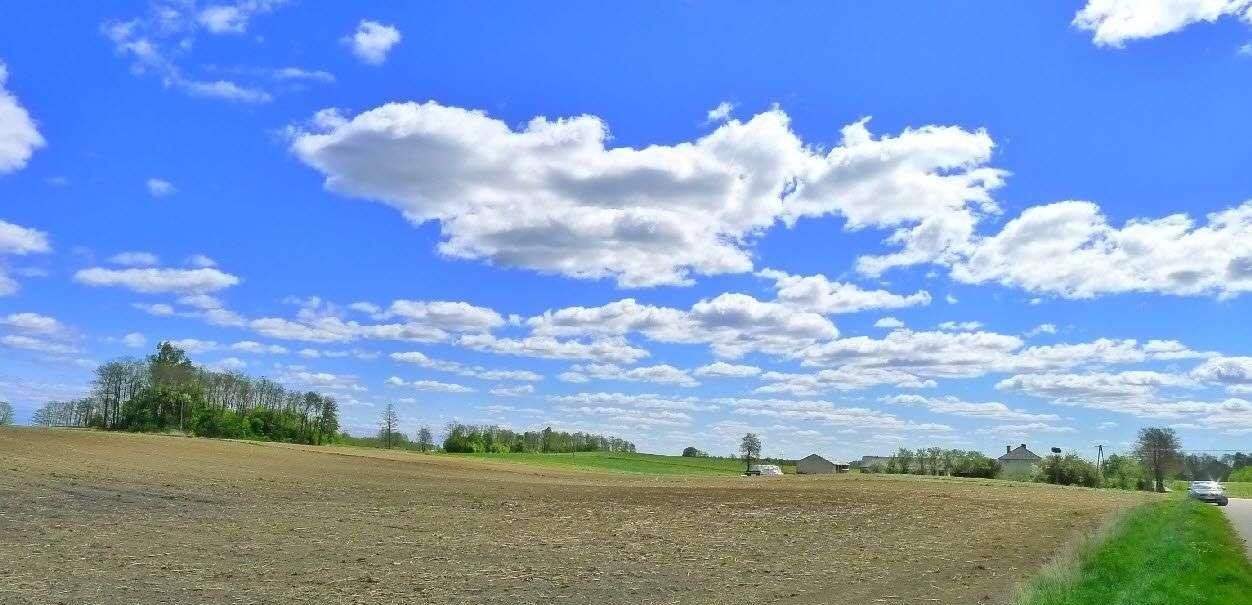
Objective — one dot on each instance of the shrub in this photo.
(1067, 470)
(1242, 475)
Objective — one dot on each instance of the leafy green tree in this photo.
(6, 413)
(425, 439)
(1241, 475)
(750, 448)
(1157, 450)
(904, 460)
(1122, 472)
(1069, 469)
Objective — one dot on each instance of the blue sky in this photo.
(848, 228)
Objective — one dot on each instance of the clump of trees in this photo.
(1242, 475)
(939, 462)
(6, 413)
(1121, 472)
(166, 391)
(1069, 469)
(692, 452)
(471, 438)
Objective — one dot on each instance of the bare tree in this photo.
(750, 448)
(425, 439)
(6, 413)
(388, 424)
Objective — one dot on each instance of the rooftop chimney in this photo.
(1008, 449)
(1023, 446)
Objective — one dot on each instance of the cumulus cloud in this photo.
(303, 378)
(1235, 373)
(830, 414)
(233, 18)
(1132, 392)
(1069, 249)
(254, 347)
(553, 197)
(155, 280)
(889, 323)
(135, 340)
(372, 41)
(818, 294)
(1113, 22)
(721, 368)
(660, 374)
(844, 378)
(421, 359)
(615, 350)
(34, 323)
(513, 391)
(719, 113)
(17, 240)
(429, 385)
(991, 410)
(19, 137)
(732, 324)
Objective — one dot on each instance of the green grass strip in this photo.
(1171, 552)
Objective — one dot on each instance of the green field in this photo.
(1234, 490)
(1169, 552)
(645, 464)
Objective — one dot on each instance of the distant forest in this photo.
(469, 438)
(167, 391)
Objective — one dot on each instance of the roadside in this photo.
(1171, 552)
(1239, 511)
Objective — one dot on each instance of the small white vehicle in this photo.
(764, 469)
(1208, 491)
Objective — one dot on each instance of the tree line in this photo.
(473, 438)
(167, 391)
(938, 462)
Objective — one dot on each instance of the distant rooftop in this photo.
(1019, 453)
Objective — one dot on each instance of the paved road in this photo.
(1240, 512)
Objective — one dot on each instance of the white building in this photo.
(1017, 461)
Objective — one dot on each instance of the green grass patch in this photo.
(1171, 552)
(1234, 489)
(644, 464)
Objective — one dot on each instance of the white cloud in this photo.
(228, 364)
(154, 280)
(719, 113)
(38, 345)
(300, 377)
(649, 401)
(135, 340)
(960, 326)
(159, 42)
(1235, 373)
(372, 41)
(157, 309)
(19, 240)
(721, 368)
(19, 137)
(732, 324)
(1132, 392)
(552, 197)
(195, 346)
(456, 316)
(252, 346)
(513, 391)
(818, 294)
(616, 350)
(160, 187)
(659, 374)
(1023, 430)
(1069, 249)
(889, 323)
(1041, 329)
(429, 385)
(300, 74)
(1113, 22)
(420, 359)
(992, 410)
(233, 18)
(135, 259)
(34, 323)
(839, 379)
(830, 414)
(201, 261)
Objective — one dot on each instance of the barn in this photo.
(817, 465)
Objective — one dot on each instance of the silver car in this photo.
(1208, 491)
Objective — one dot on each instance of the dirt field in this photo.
(90, 517)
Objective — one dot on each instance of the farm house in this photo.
(817, 465)
(1017, 461)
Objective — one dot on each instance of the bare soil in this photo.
(91, 517)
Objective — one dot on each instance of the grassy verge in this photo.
(648, 464)
(1171, 552)
(1233, 489)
